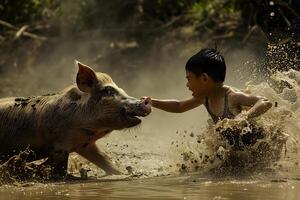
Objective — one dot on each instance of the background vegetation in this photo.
(127, 33)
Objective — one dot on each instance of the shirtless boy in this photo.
(205, 74)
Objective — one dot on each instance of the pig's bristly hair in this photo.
(104, 78)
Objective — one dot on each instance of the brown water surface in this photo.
(173, 187)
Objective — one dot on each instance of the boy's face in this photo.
(199, 85)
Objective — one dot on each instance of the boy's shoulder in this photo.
(235, 95)
(232, 91)
(242, 97)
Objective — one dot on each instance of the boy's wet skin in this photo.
(205, 74)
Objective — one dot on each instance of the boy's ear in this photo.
(86, 78)
(204, 76)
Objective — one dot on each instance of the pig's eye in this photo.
(109, 91)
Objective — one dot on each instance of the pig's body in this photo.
(71, 121)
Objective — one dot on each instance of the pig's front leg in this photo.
(58, 161)
(92, 153)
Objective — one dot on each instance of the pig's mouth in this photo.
(133, 117)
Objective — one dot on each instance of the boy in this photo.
(205, 74)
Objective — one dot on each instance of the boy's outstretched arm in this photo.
(176, 106)
(259, 105)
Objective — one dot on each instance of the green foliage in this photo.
(133, 17)
(77, 15)
(21, 11)
(163, 10)
(108, 14)
(207, 9)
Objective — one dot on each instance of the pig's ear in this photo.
(86, 78)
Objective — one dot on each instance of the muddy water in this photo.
(178, 187)
(154, 178)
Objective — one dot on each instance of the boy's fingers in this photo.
(147, 100)
(144, 98)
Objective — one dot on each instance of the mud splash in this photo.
(210, 152)
(17, 169)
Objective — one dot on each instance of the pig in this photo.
(54, 125)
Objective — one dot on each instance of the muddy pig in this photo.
(54, 125)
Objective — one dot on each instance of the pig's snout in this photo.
(139, 108)
(145, 106)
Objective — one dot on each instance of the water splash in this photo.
(211, 152)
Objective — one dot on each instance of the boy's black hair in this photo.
(209, 61)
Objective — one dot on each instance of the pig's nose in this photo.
(146, 106)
